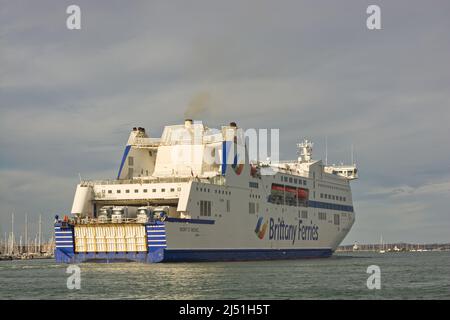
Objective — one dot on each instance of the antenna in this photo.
(326, 150)
(79, 176)
(352, 154)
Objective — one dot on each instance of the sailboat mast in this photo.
(12, 233)
(26, 232)
(40, 233)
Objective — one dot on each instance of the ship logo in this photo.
(261, 228)
(237, 167)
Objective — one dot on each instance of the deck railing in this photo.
(218, 180)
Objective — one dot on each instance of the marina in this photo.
(26, 247)
(395, 247)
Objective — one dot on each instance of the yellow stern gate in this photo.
(110, 238)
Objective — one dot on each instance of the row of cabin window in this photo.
(215, 191)
(332, 197)
(205, 208)
(143, 190)
(293, 180)
(255, 196)
(322, 216)
(332, 187)
(336, 218)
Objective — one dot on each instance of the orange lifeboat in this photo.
(302, 193)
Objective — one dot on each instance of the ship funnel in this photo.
(188, 123)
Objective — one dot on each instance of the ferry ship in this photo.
(168, 204)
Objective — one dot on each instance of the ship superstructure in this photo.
(193, 195)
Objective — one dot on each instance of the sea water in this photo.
(403, 275)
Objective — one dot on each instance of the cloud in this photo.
(437, 188)
(68, 99)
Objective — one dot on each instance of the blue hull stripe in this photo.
(194, 221)
(243, 254)
(331, 206)
(195, 255)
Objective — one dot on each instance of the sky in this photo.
(68, 98)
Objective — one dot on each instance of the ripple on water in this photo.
(404, 276)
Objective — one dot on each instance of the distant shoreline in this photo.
(395, 247)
